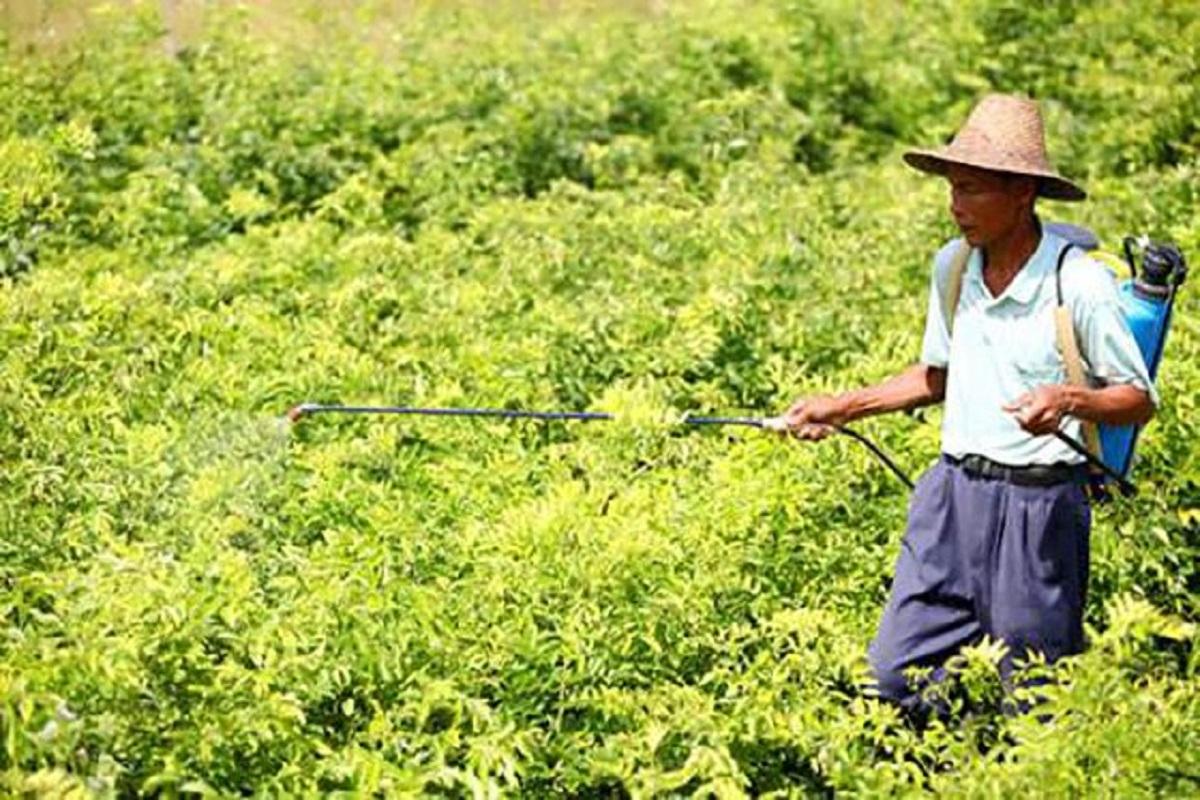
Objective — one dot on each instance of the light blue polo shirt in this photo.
(1005, 346)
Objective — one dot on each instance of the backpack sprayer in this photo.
(776, 424)
(1147, 300)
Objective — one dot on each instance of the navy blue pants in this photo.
(983, 556)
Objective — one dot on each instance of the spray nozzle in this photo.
(296, 412)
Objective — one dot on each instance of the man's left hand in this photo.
(1040, 412)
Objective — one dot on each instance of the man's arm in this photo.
(1040, 412)
(919, 385)
(1123, 404)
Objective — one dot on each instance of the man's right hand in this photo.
(814, 418)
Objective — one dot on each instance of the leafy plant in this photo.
(695, 208)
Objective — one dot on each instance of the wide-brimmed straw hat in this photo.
(1003, 133)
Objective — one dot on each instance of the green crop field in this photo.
(649, 209)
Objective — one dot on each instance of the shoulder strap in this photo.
(958, 266)
(1068, 349)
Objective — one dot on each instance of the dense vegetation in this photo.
(698, 207)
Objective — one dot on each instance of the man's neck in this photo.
(1004, 257)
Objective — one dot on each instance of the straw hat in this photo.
(1003, 133)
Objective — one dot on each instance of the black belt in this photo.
(1031, 475)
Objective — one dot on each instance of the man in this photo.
(997, 536)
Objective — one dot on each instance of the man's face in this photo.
(988, 205)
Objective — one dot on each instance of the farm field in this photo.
(650, 209)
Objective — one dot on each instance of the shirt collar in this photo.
(1025, 284)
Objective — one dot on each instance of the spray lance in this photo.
(776, 424)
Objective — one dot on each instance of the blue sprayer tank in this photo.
(1147, 299)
